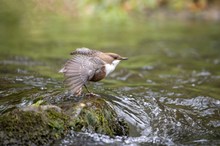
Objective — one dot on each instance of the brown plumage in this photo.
(88, 65)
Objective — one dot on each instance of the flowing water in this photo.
(168, 91)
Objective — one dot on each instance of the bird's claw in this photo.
(90, 94)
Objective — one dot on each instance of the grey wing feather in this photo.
(84, 51)
(79, 70)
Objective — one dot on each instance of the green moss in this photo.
(32, 125)
(97, 116)
(42, 124)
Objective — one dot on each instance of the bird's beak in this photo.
(124, 58)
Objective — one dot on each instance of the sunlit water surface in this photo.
(168, 91)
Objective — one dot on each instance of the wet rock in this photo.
(42, 124)
(32, 125)
(95, 115)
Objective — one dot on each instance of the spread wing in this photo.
(79, 70)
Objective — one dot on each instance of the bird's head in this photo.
(115, 56)
(112, 60)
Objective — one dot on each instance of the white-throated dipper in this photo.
(88, 65)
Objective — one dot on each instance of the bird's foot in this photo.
(92, 95)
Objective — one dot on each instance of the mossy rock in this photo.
(32, 125)
(95, 115)
(42, 124)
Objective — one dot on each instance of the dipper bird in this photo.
(88, 65)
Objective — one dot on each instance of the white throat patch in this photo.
(111, 67)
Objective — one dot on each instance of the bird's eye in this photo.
(114, 57)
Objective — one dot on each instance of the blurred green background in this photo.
(53, 28)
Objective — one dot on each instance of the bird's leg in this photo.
(87, 88)
(90, 94)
